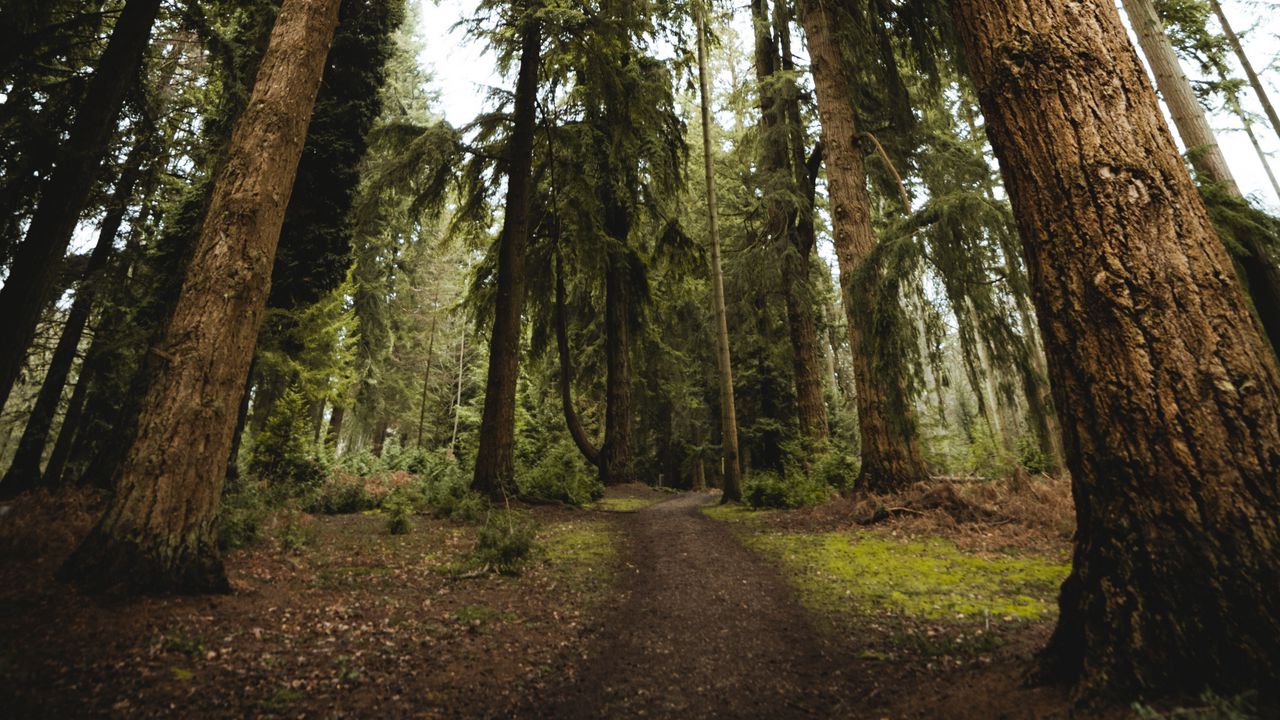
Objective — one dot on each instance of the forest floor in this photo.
(648, 604)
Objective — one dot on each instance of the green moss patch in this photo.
(579, 547)
(624, 504)
(926, 579)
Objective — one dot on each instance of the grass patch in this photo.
(924, 579)
(624, 504)
(579, 548)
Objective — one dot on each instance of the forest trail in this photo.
(705, 628)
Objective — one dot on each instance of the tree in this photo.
(1250, 73)
(890, 449)
(1259, 268)
(495, 462)
(158, 531)
(38, 258)
(724, 363)
(788, 185)
(1170, 399)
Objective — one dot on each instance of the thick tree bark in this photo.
(1258, 88)
(158, 533)
(495, 463)
(24, 471)
(1260, 267)
(576, 431)
(890, 447)
(334, 432)
(37, 260)
(724, 361)
(617, 464)
(1170, 399)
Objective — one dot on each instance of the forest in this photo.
(770, 359)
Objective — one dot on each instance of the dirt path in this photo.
(703, 628)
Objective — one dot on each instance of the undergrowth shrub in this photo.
(399, 508)
(560, 475)
(282, 453)
(766, 489)
(245, 514)
(504, 544)
(835, 468)
(341, 494)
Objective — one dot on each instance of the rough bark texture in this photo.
(38, 258)
(158, 534)
(724, 362)
(890, 448)
(24, 471)
(579, 434)
(617, 463)
(1169, 399)
(495, 463)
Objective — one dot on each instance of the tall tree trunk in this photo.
(779, 100)
(495, 464)
(457, 402)
(724, 362)
(890, 447)
(158, 531)
(1170, 399)
(1233, 102)
(617, 464)
(426, 375)
(237, 435)
(1258, 88)
(38, 258)
(576, 431)
(24, 472)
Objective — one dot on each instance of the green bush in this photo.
(504, 544)
(765, 489)
(836, 469)
(339, 495)
(282, 454)
(245, 513)
(560, 475)
(293, 532)
(399, 507)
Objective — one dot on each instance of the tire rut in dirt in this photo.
(703, 628)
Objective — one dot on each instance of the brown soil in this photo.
(359, 623)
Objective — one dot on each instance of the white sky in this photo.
(463, 70)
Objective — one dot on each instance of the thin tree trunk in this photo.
(457, 402)
(38, 259)
(724, 362)
(890, 447)
(237, 435)
(1188, 115)
(495, 463)
(24, 472)
(158, 533)
(1254, 80)
(426, 374)
(1263, 160)
(1170, 399)
(580, 438)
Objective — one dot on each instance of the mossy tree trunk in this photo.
(158, 533)
(1169, 397)
(891, 456)
(495, 460)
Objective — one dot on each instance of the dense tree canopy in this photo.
(795, 250)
